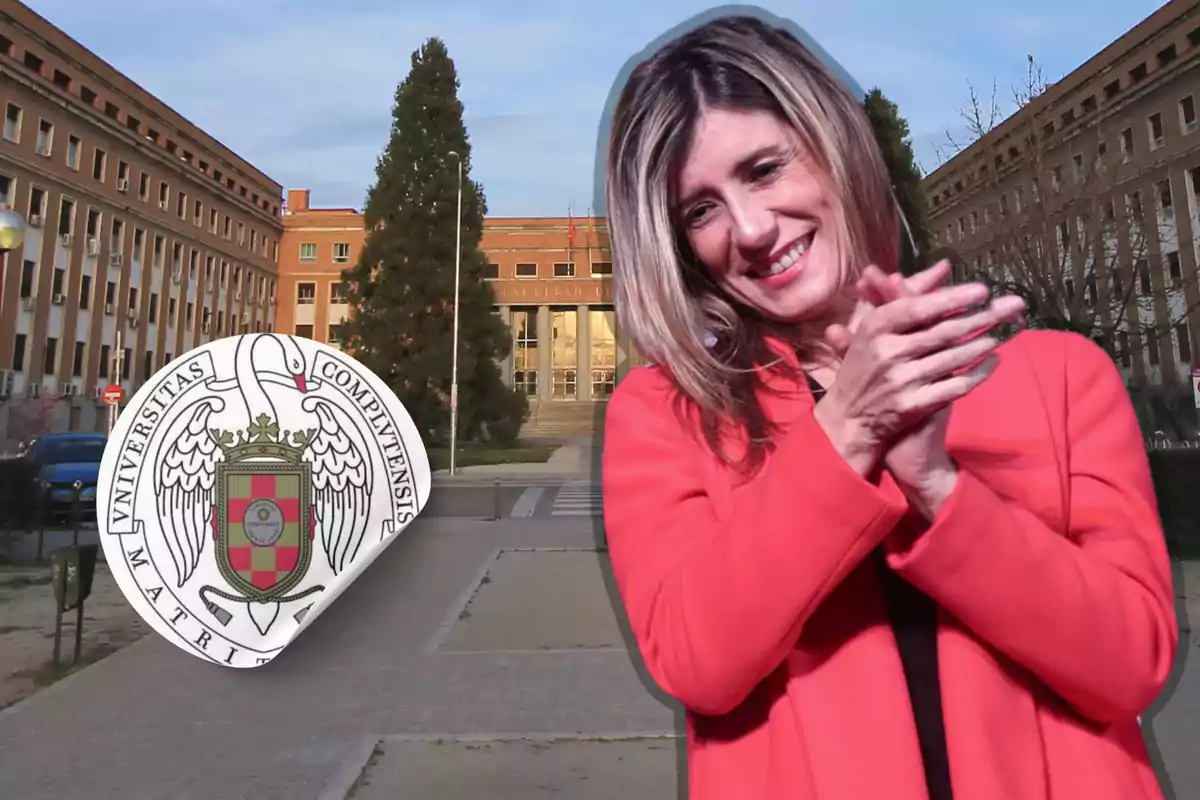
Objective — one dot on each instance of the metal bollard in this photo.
(496, 500)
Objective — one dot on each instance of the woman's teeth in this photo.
(786, 260)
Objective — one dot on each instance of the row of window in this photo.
(306, 293)
(530, 269)
(341, 252)
(1180, 341)
(64, 82)
(334, 338)
(195, 211)
(1089, 105)
(58, 296)
(257, 285)
(968, 225)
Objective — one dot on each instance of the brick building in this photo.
(146, 236)
(1093, 190)
(552, 288)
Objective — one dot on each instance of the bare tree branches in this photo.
(1057, 221)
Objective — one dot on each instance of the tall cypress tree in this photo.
(892, 134)
(402, 288)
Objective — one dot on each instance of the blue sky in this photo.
(303, 88)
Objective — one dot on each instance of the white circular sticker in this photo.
(247, 484)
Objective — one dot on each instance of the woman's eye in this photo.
(696, 215)
(764, 171)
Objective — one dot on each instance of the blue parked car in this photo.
(65, 461)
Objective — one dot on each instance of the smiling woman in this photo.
(843, 518)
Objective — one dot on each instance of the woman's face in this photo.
(760, 216)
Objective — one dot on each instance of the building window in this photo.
(13, 117)
(337, 293)
(341, 252)
(1173, 268)
(56, 284)
(37, 202)
(6, 191)
(1183, 342)
(153, 309)
(51, 356)
(335, 334)
(525, 351)
(527, 270)
(45, 138)
(85, 292)
(308, 251)
(564, 270)
(1123, 347)
(144, 186)
(602, 330)
(77, 360)
(491, 272)
(164, 195)
(1151, 337)
(66, 216)
(18, 361)
(1143, 272)
(1187, 114)
(1165, 201)
(306, 294)
(147, 365)
(99, 160)
(1155, 124)
(305, 331)
(105, 356)
(1127, 144)
(28, 276)
(564, 353)
(126, 363)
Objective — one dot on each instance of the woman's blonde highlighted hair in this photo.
(664, 296)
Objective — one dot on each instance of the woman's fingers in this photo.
(955, 329)
(920, 311)
(933, 396)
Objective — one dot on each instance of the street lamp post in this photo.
(454, 354)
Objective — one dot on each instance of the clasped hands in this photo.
(918, 349)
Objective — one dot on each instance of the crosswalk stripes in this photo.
(577, 499)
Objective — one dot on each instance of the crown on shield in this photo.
(262, 437)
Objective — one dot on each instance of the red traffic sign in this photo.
(113, 394)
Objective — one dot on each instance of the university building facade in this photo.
(145, 236)
(1100, 176)
(552, 279)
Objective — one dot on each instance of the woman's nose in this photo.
(754, 224)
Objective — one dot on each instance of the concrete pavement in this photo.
(432, 643)
(152, 722)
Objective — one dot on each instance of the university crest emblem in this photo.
(233, 509)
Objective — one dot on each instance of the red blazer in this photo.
(752, 603)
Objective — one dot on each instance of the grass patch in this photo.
(472, 455)
(47, 673)
(22, 581)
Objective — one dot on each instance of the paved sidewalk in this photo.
(457, 642)
(571, 461)
(153, 722)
